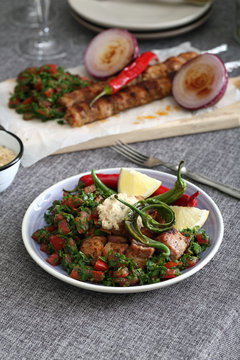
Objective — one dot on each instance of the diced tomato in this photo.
(43, 247)
(38, 84)
(42, 112)
(14, 102)
(100, 265)
(57, 242)
(202, 240)
(98, 276)
(73, 203)
(28, 116)
(170, 274)
(40, 237)
(63, 226)
(74, 273)
(191, 261)
(171, 264)
(51, 68)
(58, 217)
(122, 281)
(28, 101)
(67, 258)
(50, 228)
(48, 93)
(121, 272)
(53, 259)
(35, 235)
(57, 90)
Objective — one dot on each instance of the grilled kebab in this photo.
(162, 69)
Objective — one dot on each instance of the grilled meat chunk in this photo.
(117, 239)
(139, 252)
(162, 69)
(114, 247)
(84, 94)
(176, 242)
(127, 98)
(93, 246)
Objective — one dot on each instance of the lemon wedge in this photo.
(135, 183)
(189, 217)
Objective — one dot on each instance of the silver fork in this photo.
(149, 162)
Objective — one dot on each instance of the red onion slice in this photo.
(200, 83)
(109, 52)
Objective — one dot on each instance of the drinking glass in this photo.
(24, 15)
(43, 45)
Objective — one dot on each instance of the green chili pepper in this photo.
(173, 194)
(141, 209)
(79, 186)
(100, 185)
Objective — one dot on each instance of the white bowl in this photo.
(9, 171)
(34, 219)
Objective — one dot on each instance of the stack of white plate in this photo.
(145, 19)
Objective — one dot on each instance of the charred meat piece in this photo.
(93, 246)
(114, 247)
(176, 242)
(139, 253)
(127, 98)
(162, 69)
(117, 239)
(115, 244)
(122, 231)
(84, 94)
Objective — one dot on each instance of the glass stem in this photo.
(42, 7)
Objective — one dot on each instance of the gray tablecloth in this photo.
(44, 318)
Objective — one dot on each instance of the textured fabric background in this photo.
(44, 318)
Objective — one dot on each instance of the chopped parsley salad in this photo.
(38, 90)
(75, 239)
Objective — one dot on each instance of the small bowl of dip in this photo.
(11, 151)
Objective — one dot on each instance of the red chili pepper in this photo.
(184, 200)
(162, 189)
(110, 180)
(129, 73)
(100, 265)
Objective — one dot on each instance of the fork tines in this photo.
(130, 153)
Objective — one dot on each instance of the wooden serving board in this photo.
(224, 118)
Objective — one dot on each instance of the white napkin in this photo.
(41, 139)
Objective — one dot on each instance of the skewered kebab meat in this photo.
(162, 69)
(127, 98)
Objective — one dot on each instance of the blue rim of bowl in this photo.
(19, 155)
